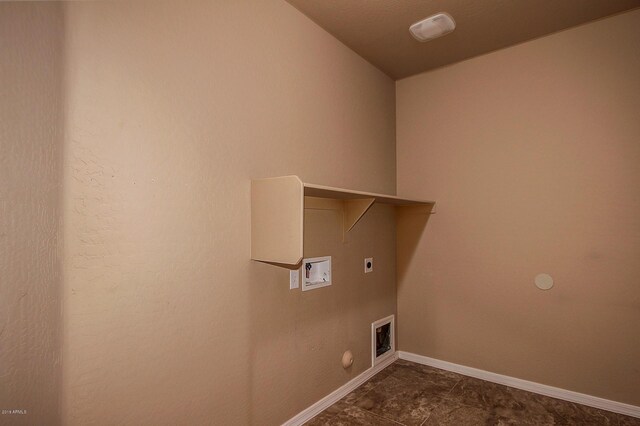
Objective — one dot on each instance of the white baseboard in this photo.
(580, 398)
(335, 396)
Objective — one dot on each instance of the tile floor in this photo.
(406, 393)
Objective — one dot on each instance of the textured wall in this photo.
(30, 196)
(532, 153)
(172, 107)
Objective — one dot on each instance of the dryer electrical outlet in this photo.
(368, 265)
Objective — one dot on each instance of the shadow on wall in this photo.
(31, 140)
(410, 225)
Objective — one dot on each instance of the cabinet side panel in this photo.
(276, 220)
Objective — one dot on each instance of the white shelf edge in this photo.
(277, 214)
(322, 191)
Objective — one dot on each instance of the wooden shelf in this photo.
(277, 214)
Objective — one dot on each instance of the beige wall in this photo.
(30, 196)
(533, 156)
(172, 107)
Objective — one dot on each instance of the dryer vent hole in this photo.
(383, 339)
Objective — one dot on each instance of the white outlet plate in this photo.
(368, 265)
(294, 279)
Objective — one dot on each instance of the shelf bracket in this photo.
(353, 211)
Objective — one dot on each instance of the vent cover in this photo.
(382, 339)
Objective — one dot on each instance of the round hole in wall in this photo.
(544, 281)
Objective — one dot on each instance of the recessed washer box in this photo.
(316, 273)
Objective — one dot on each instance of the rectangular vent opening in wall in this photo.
(382, 339)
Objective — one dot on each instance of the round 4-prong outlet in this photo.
(368, 265)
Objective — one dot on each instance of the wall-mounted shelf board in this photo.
(277, 214)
